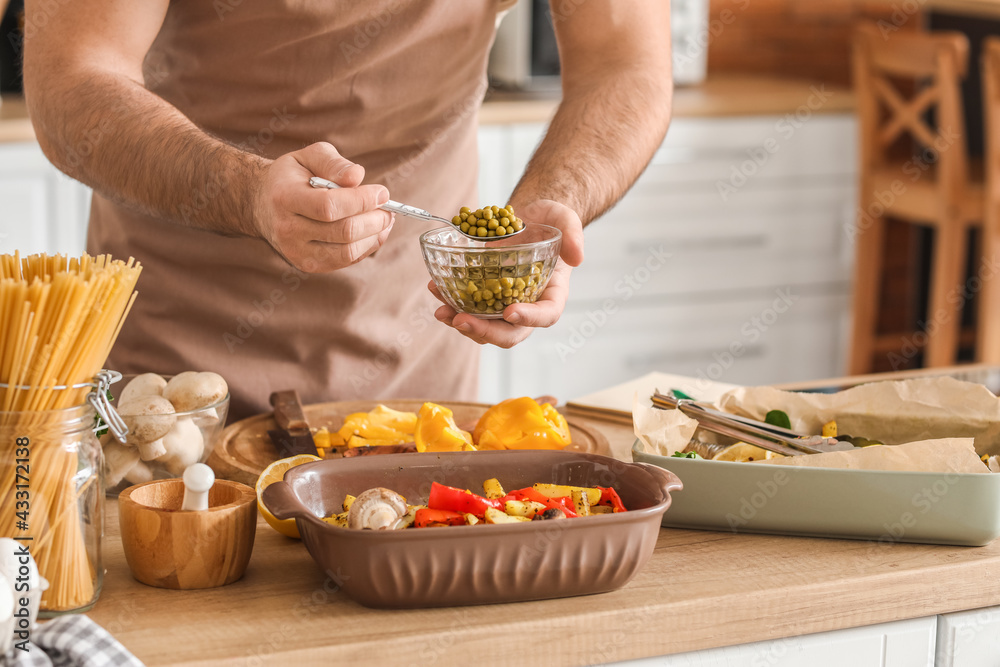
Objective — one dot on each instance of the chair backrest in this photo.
(991, 119)
(932, 66)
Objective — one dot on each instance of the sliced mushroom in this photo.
(148, 418)
(147, 384)
(194, 391)
(376, 509)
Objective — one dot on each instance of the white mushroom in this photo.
(139, 473)
(147, 384)
(148, 418)
(376, 509)
(118, 460)
(194, 391)
(184, 445)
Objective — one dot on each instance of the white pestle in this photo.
(198, 479)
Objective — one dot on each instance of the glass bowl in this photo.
(483, 278)
(192, 436)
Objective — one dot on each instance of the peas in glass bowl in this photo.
(483, 278)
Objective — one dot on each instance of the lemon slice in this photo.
(742, 451)
(275, 473)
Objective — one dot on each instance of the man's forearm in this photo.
(133, 147)
(600, 140)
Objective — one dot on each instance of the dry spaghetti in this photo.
(59, 318)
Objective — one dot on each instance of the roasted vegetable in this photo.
(458, 500)
(493, 489)
(497, 516)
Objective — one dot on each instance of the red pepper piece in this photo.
(610, 497)
(426, 518)
(565, 505)
(459, 500)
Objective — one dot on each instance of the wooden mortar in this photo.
(172, 548)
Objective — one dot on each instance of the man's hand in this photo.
(519, 319)
(320, 230)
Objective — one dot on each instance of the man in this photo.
(199, 124)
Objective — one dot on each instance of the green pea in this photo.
(481, 231)
(509, 230)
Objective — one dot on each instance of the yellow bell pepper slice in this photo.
(521, 423)
(436, 431)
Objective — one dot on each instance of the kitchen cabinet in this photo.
(969, 638)
(730, 258)
(43, 210)
(907, 643)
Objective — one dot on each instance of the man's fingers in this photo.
(331, 256)
(494, 332)
(323, 160)
(348, 230)
(328, 205)
(546, 311)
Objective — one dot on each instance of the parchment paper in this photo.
(941, 455)
(662, 432)
(928, 424)
(890, 412)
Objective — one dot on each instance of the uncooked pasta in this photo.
(59, 318)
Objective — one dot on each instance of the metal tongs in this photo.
(767, 436)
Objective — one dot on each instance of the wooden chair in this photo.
(988, 325)
(914, 170)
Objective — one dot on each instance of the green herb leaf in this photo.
(778, 418)
(100, 428)
(685, 455)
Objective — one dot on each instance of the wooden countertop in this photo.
(700, 589)
(720, 96)
(717, 96)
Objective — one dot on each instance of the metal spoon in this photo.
(414, 212)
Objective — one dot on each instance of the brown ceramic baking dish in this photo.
(462, 565)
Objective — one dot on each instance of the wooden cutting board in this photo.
(245, 449)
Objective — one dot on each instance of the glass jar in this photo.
(52, 497)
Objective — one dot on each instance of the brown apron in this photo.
(396, 87)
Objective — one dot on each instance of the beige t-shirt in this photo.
(396, 87)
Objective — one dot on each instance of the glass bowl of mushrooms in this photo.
(173, 422)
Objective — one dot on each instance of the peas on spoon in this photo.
(482, 225)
